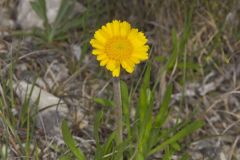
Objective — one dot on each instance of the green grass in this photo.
(187, 42)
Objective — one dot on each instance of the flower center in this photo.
(118, 48)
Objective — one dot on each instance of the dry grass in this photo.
(211, 84)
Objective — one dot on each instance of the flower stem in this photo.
(118, 109)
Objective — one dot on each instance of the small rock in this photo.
(6, 22)
(27, 18)
(232, 20)
(3, 47)
(207, 148)
(52, 110)
(56, 72)
(222, 156)
(4, 150)
(76, 50)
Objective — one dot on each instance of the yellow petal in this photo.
(141, 49)
(106, 32)
(116, 45)
(116, 71)
(140, 55)
(111, 65)
(97, 52)
(102, 57)
(124, 29)
(137, 38)
(135, 60)
(96, 44)
(104, 62)
(99, 36)
(129, 67)
(115, 27)
(109, 29)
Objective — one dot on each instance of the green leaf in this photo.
(185, 157)
(178, 136)
(97, 123)
(163, 109)
(146, 78)
(125, 106)
(60, 36)
(64, 11)
(143, 97)
(72, 23)
(168, 152)
(176, 146)
(189, 65)
(146, 125)
(65, 157)
(68, 139)
(187, 28)
(173, 57)
(120, 149)
(139, 156)
(144, 113)
(104, 102)
(160, 58)
(107, 146)
(40, 8)
(37, 8)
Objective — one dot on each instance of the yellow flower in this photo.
(117, 44)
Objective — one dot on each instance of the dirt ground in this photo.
(208, 87)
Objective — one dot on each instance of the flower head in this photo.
(116, 44)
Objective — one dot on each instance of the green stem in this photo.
(118, 109)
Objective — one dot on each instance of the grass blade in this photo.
(163, 109)
(68, 139)
(40, 8)
(142, 102)
(178, 136)
(125, 106)
(64, 11)
(104, 102)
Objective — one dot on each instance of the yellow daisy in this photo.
(117, 44)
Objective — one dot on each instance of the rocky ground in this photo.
(65, 73)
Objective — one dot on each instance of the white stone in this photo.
(51, 108)
(76, 50)
(27, 18)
